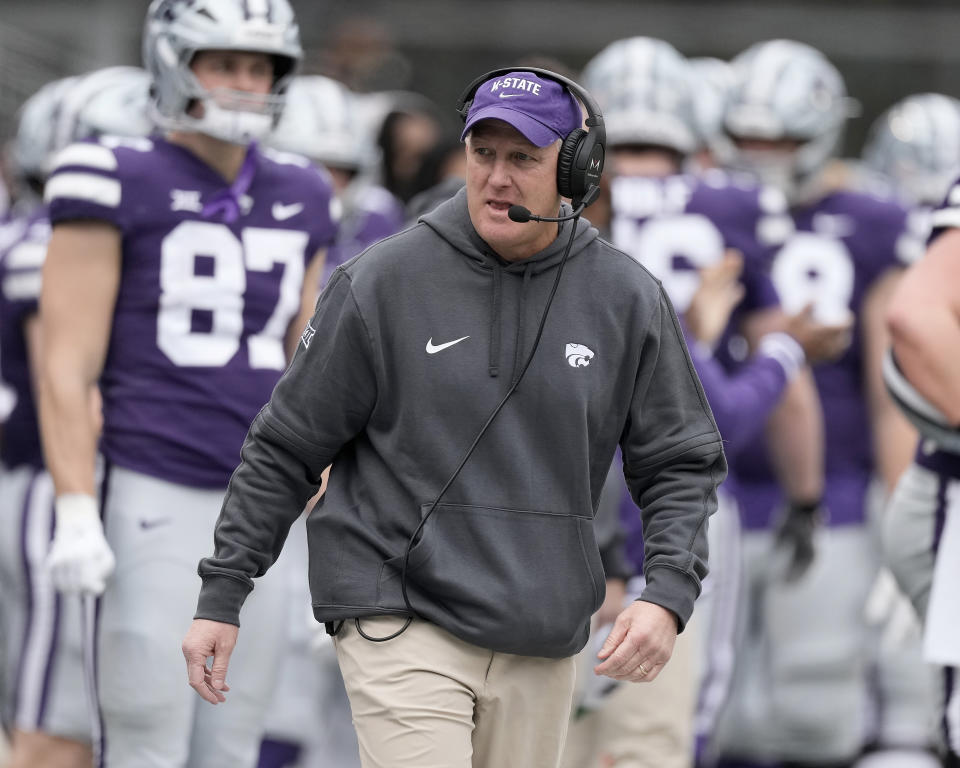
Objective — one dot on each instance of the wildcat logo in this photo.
(578, 355)
(307, 337)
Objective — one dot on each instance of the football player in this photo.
(180, 271)
(46, 703)
(801, 681)
(905, 145)
(923, 530)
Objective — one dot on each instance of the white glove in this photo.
(80, 559)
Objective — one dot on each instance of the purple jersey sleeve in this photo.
(740, 401)
(88, 182)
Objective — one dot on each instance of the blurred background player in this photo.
(44, 692)
(921, 526)
(683, 229)
(322, 121)
(180, 271)
(913, 149)
(802, 680)
(309, 720)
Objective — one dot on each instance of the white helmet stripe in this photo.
(767, 69)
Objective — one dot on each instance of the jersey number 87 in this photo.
(221, 293)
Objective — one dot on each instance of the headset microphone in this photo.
(520, 214)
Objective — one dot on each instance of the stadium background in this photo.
(886, 49)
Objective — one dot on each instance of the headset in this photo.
(582, 153)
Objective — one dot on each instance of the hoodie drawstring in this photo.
(494, 362)
(521, 315)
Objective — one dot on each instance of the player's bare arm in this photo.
(80, 280)
(894, 439)
(308, 300)
(923, 323)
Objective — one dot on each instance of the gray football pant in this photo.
(914, 519)
(41, 675)
(150, 717)
(802, 681)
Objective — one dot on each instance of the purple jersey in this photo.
(370, 214)
(211, 278)
(675, 225)
(843, 244)
(21, 264)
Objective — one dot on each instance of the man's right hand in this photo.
(80, 560)
(204, 639)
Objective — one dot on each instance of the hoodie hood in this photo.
(451, 221)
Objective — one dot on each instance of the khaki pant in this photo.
(429, 700)
(641, 725)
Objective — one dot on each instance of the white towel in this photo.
(941, 642)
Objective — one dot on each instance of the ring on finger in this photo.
(643, 670)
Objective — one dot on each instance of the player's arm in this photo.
(794, 430)
(308, 300)
(80, 280)
(923, 322)
(894, 439)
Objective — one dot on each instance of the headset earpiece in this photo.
(580, 162)
(567, 181)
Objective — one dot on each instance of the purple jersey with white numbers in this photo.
(211, 279)
(844, 243)
(675, 225)
(370, 214)
(21, 264)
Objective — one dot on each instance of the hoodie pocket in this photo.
(515, 581)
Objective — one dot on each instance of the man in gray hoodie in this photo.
(470, 432)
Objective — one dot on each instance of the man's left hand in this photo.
(640, 644)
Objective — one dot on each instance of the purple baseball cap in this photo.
(540, 108)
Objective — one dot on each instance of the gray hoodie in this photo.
(412, 345)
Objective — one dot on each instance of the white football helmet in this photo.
(37, 140)
(916, 145)
(712, 81)
(643, 86)
(320, 121)
(785, 90)
(175, 30)
(113, 100)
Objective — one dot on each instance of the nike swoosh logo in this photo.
(283, 212)
(433, 349)
(510, 95)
